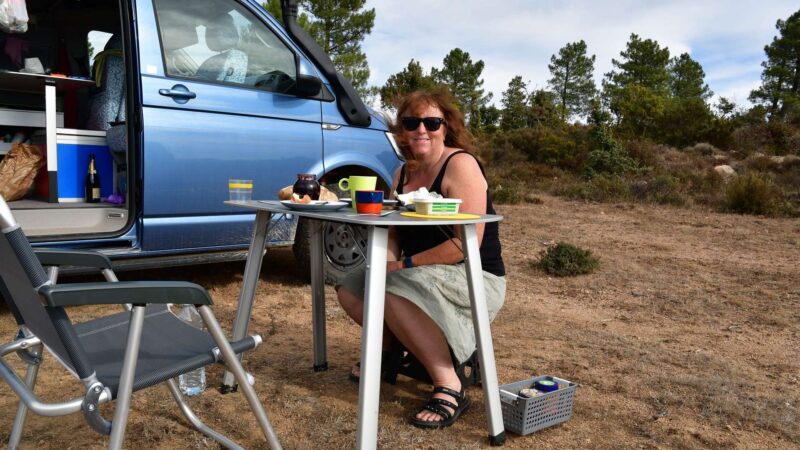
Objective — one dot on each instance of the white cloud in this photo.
(517, 37)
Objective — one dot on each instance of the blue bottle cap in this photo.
(545, 385)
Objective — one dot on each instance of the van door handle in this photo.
(178, 92)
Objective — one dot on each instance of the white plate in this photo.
(315, 205)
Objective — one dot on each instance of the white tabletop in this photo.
(34, 82)
(347, 215)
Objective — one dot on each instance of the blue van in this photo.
(174, 98)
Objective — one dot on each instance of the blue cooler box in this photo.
(74, 148)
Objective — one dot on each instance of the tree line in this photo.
(648, 132)
(648, 94)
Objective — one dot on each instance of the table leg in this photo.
(371, 339)
(483, 335)
(318, 296)
(252, 269)
(51, 140)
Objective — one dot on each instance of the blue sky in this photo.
(517, 37)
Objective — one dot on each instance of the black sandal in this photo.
(437, 406)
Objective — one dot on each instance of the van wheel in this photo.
(344, 248)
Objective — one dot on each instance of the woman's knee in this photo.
(400, 308)
(350, 302)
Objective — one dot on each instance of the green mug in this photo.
(357, 183)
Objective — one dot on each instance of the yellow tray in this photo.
(439, 216)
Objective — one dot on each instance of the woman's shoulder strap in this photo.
(438, 181)
(402, 180)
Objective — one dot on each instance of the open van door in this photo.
(55, 88)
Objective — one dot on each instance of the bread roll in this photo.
(297, 199)
(285, 193)
(326, 195)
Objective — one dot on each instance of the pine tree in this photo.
(544, 109)
(410, 79)
(637, 92)
(463, 78)
(571, 80)
(490, 118)
(687, 78)
(339, 27)
(274, 7)
(780, 80)
(686, 117)
(643, 63)
(515, 105)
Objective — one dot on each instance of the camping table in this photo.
(372, 333)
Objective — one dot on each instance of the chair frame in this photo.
(132, 296)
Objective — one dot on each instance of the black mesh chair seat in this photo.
(169, 347)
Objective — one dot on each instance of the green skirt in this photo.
(442, 292)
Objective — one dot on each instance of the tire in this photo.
(344, 247)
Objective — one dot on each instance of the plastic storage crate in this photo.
(523, 415)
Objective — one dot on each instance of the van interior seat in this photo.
(230, 64)
(107, 101)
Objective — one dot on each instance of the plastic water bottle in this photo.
(194, 382)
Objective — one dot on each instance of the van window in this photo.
(220, 41)
(97, 41)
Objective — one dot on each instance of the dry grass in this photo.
(685, 337)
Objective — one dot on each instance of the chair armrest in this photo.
(80, 258)
(136, 292)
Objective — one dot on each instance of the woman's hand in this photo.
(392, 266)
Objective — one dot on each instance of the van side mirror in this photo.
(307, 85)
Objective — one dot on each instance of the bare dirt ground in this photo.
(685, 337)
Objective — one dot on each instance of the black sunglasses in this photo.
(431, 123)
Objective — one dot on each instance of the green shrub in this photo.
(601, 188)
(564, 260)
(752, 193)
(564, 147)
(702, 148)
(645, 152)
(673, 160)
(507, 191)
(771, 138)
(685, 121)
(703, 186)
(608, 156)
(661, 189)
(614, 161)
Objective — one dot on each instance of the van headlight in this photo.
(397, 151)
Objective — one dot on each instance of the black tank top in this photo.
(414, 240)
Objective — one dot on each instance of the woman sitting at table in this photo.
(427, 297)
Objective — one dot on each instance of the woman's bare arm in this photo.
(463, 179)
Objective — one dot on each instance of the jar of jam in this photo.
(306, 184)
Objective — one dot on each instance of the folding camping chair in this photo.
(112, 356)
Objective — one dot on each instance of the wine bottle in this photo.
(92, 182)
